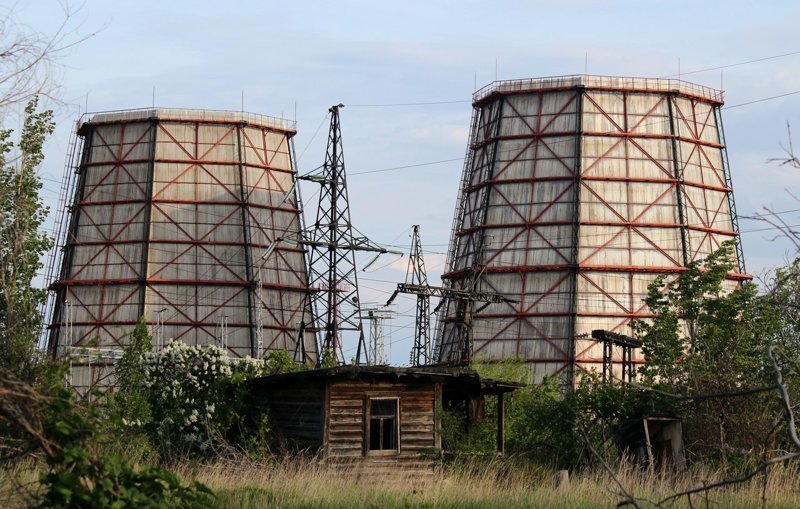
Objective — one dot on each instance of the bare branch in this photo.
(792, 431)
(628, 498)
(790, 158)
(703, 396)
(28, 59)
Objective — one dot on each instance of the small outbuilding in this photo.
(372, 417)
(652, 441)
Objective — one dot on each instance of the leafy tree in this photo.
(782, 300)
(328, 359)
(542, 425)
(22, 213)
(707, 338)
(130, 400)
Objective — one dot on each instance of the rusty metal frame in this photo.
(144, 276)
(483, 176)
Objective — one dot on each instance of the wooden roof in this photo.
(456, 377)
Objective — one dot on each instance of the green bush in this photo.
(77, 471)
(189, 401)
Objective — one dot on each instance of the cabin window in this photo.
(383, 424)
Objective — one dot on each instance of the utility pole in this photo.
(421, 352)
(333, 283)
(376, 316)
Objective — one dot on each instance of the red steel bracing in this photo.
(629, 228)
(528, 216)
(211, 211)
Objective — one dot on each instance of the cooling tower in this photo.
(577, 192)
(173, 218)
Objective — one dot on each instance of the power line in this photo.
(394, 168)
(761, 100)
(768, 214)
(566, 141)
(695, 71)
(719, 67)
(391, 105)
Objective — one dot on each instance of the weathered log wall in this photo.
(297, 414)
(347, 427)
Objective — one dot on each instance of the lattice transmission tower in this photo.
(377, 315)
(332, 246)
(422, 351)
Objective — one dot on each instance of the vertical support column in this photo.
(501, 445)
(576, 226)
(471, 278)
(148, 210)
(441, 352)
(678, 175)
(62, 293)
(300, 353)
(437, 417)
(252, 298)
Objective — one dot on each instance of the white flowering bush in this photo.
(189, 390)
(195, 398)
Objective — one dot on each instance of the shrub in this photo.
(47, 424)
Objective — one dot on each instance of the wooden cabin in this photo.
(370, 416)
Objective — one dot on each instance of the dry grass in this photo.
(17, 483)
(485, 485)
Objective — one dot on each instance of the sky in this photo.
(382, 59)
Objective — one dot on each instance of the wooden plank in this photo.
(346, 419)
(408, 429)
(339, 436)
(419, 415)
(326, 420)
(416, 420)
(349, 403)
(346, 451)
(346, 435)
(378, 389)
(416, 438)
(345, 445)
(354, 426)
(417, 445)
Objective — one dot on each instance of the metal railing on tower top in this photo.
(601, 82)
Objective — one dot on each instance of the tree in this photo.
(782, 297)
(130, 400)
(709, 339)
(701, 330)
(22, 244)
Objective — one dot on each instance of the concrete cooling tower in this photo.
(171, 216)
(577, 192)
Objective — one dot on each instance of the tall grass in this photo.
(479, 484)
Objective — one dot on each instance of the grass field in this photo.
(492, 485)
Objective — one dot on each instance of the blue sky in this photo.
(305, 56)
